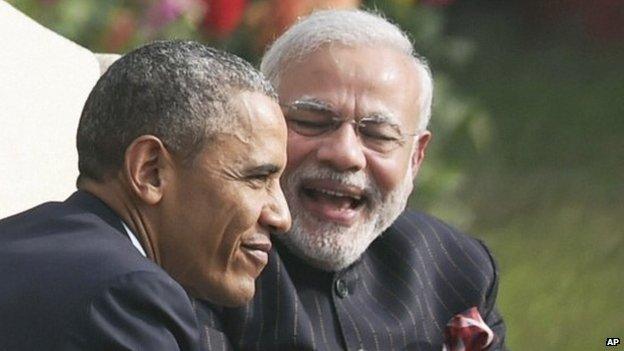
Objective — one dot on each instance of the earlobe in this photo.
(418, 155)
(145, 164)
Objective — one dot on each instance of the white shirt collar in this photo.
(134, 239)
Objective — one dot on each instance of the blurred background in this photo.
(528, 128)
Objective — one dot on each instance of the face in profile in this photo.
(222, 207)
(353, 148)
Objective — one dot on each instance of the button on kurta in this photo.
(341, 288)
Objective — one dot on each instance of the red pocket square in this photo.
(467, 331)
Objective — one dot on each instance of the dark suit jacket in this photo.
(70, 279)
(399, 296)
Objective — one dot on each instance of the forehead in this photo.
(355, 80)
(258, 134)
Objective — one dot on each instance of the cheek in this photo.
(242, 219)
(298, 150)
(388, 173)
(218, 224)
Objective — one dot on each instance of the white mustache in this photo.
(358, 179)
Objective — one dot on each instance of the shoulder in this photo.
(141, 309)
(142, 293)
(71, 236)
(66, 252)
(425, 231)
(439, 251)
(68, 247)
(68, 269)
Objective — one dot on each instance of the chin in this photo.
(240, 294)
(327, 246)
(332, 246)
(231, 292)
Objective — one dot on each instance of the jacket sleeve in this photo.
(137, 311)
(491, 315)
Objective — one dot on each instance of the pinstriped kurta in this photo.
(399, 296)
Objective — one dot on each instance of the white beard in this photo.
(329, 246)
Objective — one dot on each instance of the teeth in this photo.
(337, 193)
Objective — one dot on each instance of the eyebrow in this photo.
(316, 105)
(382, 117)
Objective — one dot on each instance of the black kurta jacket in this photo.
(399, 296)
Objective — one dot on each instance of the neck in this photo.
(117, 195)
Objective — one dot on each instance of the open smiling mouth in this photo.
(337, 199)
(337, 204)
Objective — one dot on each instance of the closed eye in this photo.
(378, 135)
(259, 177)
(262, 173)
(379, 130)
(302, 124)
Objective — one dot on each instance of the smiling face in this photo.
(223, 206)
(345, 185)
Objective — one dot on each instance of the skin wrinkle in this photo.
(132, 218)
(145, 236)
(245, 127)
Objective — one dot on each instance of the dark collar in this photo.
(93, 204)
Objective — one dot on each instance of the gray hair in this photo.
(349, 28)
(178, 91)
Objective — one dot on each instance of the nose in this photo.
(275, 215)
(342, 150)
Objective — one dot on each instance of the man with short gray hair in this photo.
(180, 149)
(358, 271)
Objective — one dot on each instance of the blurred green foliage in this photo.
(547, 192)
(528, 136)
(92, 23)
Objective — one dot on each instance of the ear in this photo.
(418, 155)
(146, 164)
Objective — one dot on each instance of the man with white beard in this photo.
(357, 270)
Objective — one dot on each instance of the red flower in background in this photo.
(223, 16)
(121, 29)
(165, 11)
(270, 18)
